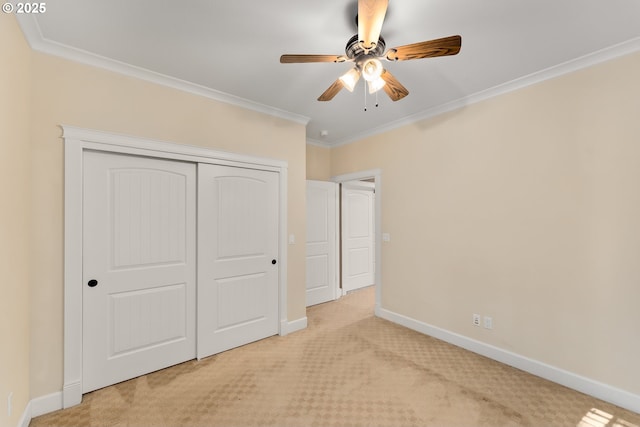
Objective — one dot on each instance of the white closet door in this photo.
(139, 266)
(358, 235)
(321, 242)
(237, 257)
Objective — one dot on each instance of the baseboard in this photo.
(45, 404)
(582, 384)
(71, 394)
(40, 406)
(25, 419)
(288, 327)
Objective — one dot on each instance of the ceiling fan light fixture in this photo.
(350, 78)
(376, 85)
(371, 69)
(366, 48)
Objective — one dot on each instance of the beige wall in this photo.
(15, 62)
(526, 208)
(78, 95)
(318, 163)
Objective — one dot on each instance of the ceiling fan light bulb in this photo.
(371, 69)
(350, 79)
(376, 85)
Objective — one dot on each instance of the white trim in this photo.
(357, 176)
(26, 417)
(32, 33)
(282, 247)
(317, 143)
(72, 373)
(45, 404)
(576, 64)
(165, 149)
(76, 141)
(376, 174)
(359, 185)
(337, 289)
(72, 394)
(293, 326)
(40, 406)
(31, 30)
(577, 382)
(34, 37)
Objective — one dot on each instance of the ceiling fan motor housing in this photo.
(354, 49)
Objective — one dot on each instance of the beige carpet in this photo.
(348, 368)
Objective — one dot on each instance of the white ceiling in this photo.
(233, 48)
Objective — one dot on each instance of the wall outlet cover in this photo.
(476, 320)
(488, 322)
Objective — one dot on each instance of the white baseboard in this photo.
(45, 404)
(71, 394)
(582, 384)
(25, 419)
(288, 327)
(40, 406)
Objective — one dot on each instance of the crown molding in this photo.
(625, 48)
(34, 37)
(317, 143)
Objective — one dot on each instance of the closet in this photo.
(178, 257)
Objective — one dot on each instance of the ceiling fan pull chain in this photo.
(365, 96)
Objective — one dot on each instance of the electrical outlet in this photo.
(476, 319)
(488, 322)
(10, 404)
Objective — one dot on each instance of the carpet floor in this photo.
(347, 368)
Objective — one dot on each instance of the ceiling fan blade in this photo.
(393, 88)
(297, 59)
(429, 49)
(331, 91)
(370, 18)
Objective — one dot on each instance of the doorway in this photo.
(316, 214)
(373, 176)
(357, 225)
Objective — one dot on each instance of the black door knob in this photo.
(273, 261)
(92, 283)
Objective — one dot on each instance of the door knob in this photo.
(273, 261)
(92, 283)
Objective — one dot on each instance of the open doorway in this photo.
(324, 234)
(369, 180)
(357, 234)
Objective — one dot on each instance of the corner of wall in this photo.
(15, 152)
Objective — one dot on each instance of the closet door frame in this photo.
(76, 141)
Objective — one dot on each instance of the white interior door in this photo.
(321, 241)
(237, 257)
(358, 237)
(139, 266)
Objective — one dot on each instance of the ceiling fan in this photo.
(366, 49)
